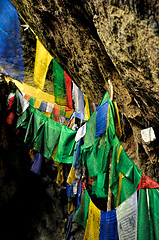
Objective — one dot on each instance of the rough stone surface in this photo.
(95, 41)
(99, 40)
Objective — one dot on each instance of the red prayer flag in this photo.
(147, 182)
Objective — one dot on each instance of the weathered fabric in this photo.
(42, 62)
(71, 177)
(147, 182)
(22, 103)
(80, 133)
(145, 226)
(108, 226)
(81, 214)
(101, 119)
(125, 175)
(66, 145)
(11, 55)
(76, 163)
(100, 185)
(78, 99)
(86, 108)
(154, 211)
(37, 162)
(93, 223)
(127, 218)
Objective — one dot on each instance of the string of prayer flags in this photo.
(37, 93)
(108, 226)
(11, 55)
(61, 86)
(147, 182)
(34, 97)
(127, 218)
(42, 62)
(93, 223)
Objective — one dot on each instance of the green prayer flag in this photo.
(66, 146)
(81, 214)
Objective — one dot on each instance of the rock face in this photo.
(100, 40)
(96, 41)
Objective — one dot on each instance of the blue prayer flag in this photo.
(43, 106)
(36, 167)
(11, 56)
(101, 119)
(108, 226)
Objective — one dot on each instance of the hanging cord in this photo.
(27, 25)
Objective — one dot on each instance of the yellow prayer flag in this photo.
(93, 223)
(37, 103)
(70, 205)
(71, 176)
(42, 61)
(86, 109)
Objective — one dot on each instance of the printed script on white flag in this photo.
(127, 218)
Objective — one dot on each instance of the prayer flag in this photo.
(108, 226)
(11, 55)
(86, 109)
(81, 214)
(80, 133)
(147, 182)
(101, 119)
(37, 162)
(42, 62)
(93, 223)
(78, 99)
(127, 218)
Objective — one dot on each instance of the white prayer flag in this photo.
(80, 133)
(148, 134)
(49, 107)
(127, 218)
